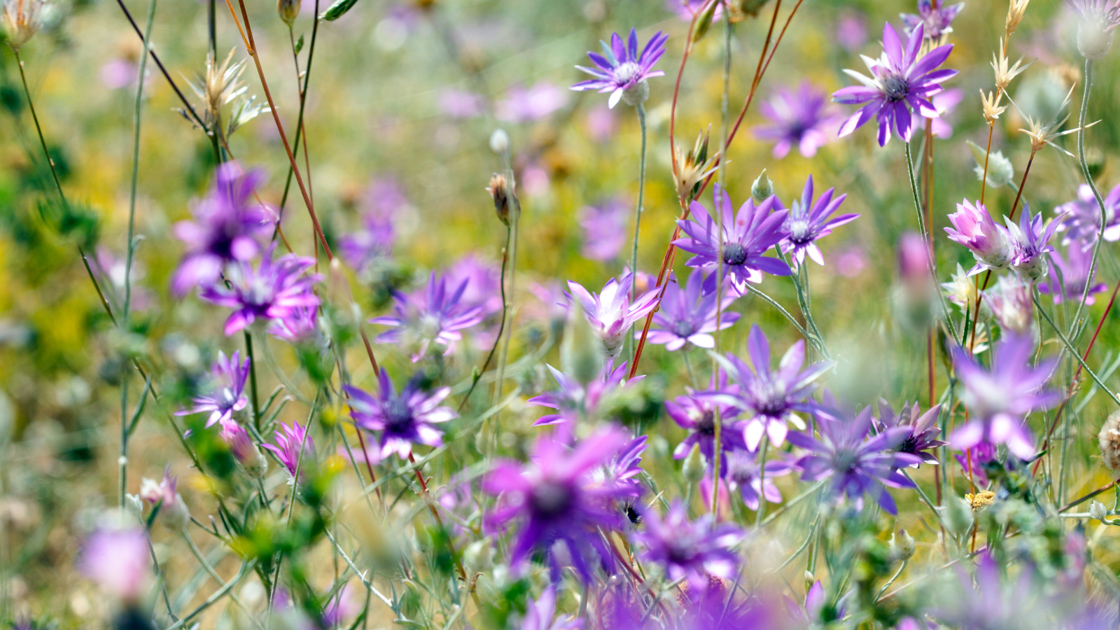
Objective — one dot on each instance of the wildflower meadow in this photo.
(572, 315)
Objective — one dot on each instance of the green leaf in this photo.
(299, 43)
(338, 9)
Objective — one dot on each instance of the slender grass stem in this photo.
(641, 109)
(722, 192)
(1073, 351)
(926, 237)
(514, 224)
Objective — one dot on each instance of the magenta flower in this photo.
(291, 441)
(935, 21)
(746, 237)
(610, 311)
(689, 550)
(242, 448)
(573, 400)
(688, 317)
(989, 242)
(979, 455)
(744, 472)
(541, 614)
(945, 103)
(803, 119)
(999, 400)
(403, 419)
(1069, 275)
(301, 326)
(226, 390)
(808, 221)
(556, 498)
(1083, 227)
(434, 316)
(622, 71)
(272, 291)
(119, 561)
(900, 82)
(1031, 241)
(371, 243)
(771, 400)
(604, 228)
(228, 226)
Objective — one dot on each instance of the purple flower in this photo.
(936, 21)
(1083, 226)
(372, 242)
(856, 465)
(243, 449)
(291, 441)
(988, 601)
(623, 469)
(610, 312)
(687, 317)
(1011, 302)
(622, 71)
(945, 103)
(696, 413)
(523, 104)
(851, 30)
(745, 474)
(989, 242)
(690, 550)
(810, 613)
(226, 390)
(540, 614)
(275, 290)
(119, 561)
(228, 226)
(1096, 21)
(404, 419)
(434, 316)
(483, 283)
(807, 222)
(771, 399)
(803, 119)
(980, 455)
(301, 326)
(461, 104)
(604, 228)
(746, 237)
(999, 400)
(899, 82)
(922, 431)
(556, 499)
(1069, 275)
(573, 399)
(1030, 240)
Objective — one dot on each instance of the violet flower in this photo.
(541, 614)
(688, 317)
(1030, 241)
(855, 464)
(622, 71)
(1069, 275)
(772, 399)
(900, 82)
(483, 283)
(573, 400)
(988, 601)
(225, 392)
(556, 499)
(301, 326)
(118, 560)
(371, 243)
(610, 311)
(228, 226)
(690, 550)
(808, 221)
(803, 119)
(291, 440)
(403, 419)
(746, 237)
(998, 400)
(604, 228)
(1083, 227)
(695, 412)
(272, 291)
(989, 242)
(1096, 21)
(922, 429)
(936, 21)
(979, 456)
(434, 316)
(945, 103)
(744, 473)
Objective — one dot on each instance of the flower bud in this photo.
(1097, 511)
(21, 20)
(693, 468)
(581, 351)
(902, 545)
(1000, 171)
(704, 20)
(1094, 37)
(762, 188)
(248, 456)
(636, 94)
(499, 142)
(1109, 440)
(288, 10)
(502, 194)
(173, 512)
(957, 516)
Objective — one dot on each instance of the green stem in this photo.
(762, 482)
(39, 129)
(1083, 163)
(641, 109)
(253, 381)
(299, 117)
(945, 312)
(514, 223)
(1073, 351)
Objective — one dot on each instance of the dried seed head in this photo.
(21, 20)
(1045, 134)
(288, 10)
(992, 107)
(980, 500)
(693, 166)
(502, 194)
(1005, 72)
(220, 86)
(1109, 439)
(1015, 11)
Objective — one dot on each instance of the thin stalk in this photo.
(39, 128)
(641, 109)
(1092, 186)
(761, 483)
(514, 223)
(477, 376)
(925, 236)
(302, 105)
(1073, 351)
(253, 381)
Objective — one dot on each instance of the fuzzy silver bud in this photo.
(762, 188)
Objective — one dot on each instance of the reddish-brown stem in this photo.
(1092, 494)
(439, 520)
(987, 154)
(369, 467)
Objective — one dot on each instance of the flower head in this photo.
(300, 326)
(219, 86)
(999, 399)
(21, 20)
(922, 428)
(1083, 225)
(855, 464)
(936, 22)
(1031, 241)
(1096, 20)
(225, 394)
(610, 311)
(374, 240)
(403, 419)
(803, 119)
(1069, 275)
(251, 459)
(744, 472)
(293, 442)
(1042, 134)
(746, 237)
(989, 242)
(622, 71)
(772, 399)
(434, 316)
(690, 550)
(694, 165)
(118, 560)
(900, 82)
(604, 228)
(272, 291)
(695, 412)
(556, 499)
(574, 399)
(1011, 302)
(979, 456)
(808, 221)
(228, 226)
(172, 509)
(688, 317)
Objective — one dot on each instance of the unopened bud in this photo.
(1109, 441)
(500, 191)
(288, 10)
(499, 142)
(957, 516)
(581, 351)
(693, 468)
(902, 545)
(1097, 511)
(1000, 171)
(704, 20)
(762, 188)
